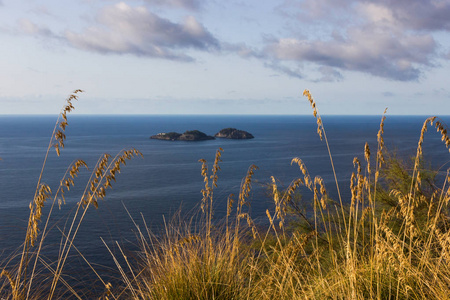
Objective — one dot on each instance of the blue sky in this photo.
(225, 57)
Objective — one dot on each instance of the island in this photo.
(233, 133)
(190, 135)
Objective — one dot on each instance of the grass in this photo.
(390, 240)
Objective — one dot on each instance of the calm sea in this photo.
(168, 177)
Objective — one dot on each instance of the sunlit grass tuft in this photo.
(35, 277)
(389, 240)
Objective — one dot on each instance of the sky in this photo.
(225, 57)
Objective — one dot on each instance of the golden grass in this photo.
(390, 240)
(20, 279)
(386, 243)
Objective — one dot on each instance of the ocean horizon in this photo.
(168, 178)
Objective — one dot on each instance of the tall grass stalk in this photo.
(389, 240)
(22, 277)
(376, 245)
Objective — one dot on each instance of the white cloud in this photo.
(329, 75)
(187, 4)
(30, 28)
(123, 29)
(420, 15)
(376, 13)
(365, 49)
(414, 14)
(385, 38)
(276, 66)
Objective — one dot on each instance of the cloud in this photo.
(314, 12)
(329, 75)
(414, 14)
(388, 94)
(419, 14)
(41, 10)
(385, 38)
(122, 29)
(377, 53)
(283, 69)
(242, 49)
(187, 4)
(441, 92)
(30, 28)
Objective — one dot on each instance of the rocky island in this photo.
(192, 135)
(233, 133)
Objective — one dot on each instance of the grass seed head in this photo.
(353, 188)
(36, 206)
(357, 164)
(230, 204)
(11, 281)
(59, 135)
(367, 156)
(316, 115)
(318, 181)
(104, 173)
(246, 185)
(380, 140)
(214, 177)
(207, 190)
(306, 177)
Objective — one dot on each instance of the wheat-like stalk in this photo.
(207, 190)
(42, 192)
(10, 278)
(367, 157)
(36, 212)
(380, 140)
(244, 193)
(405, 256)
(306, 177)
(101, 178)
(59, 136)
(321, 132)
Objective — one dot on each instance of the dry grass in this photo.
(390, 240)
(21, 281)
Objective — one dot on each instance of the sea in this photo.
(167, 181)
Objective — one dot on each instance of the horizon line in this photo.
(219, 115)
